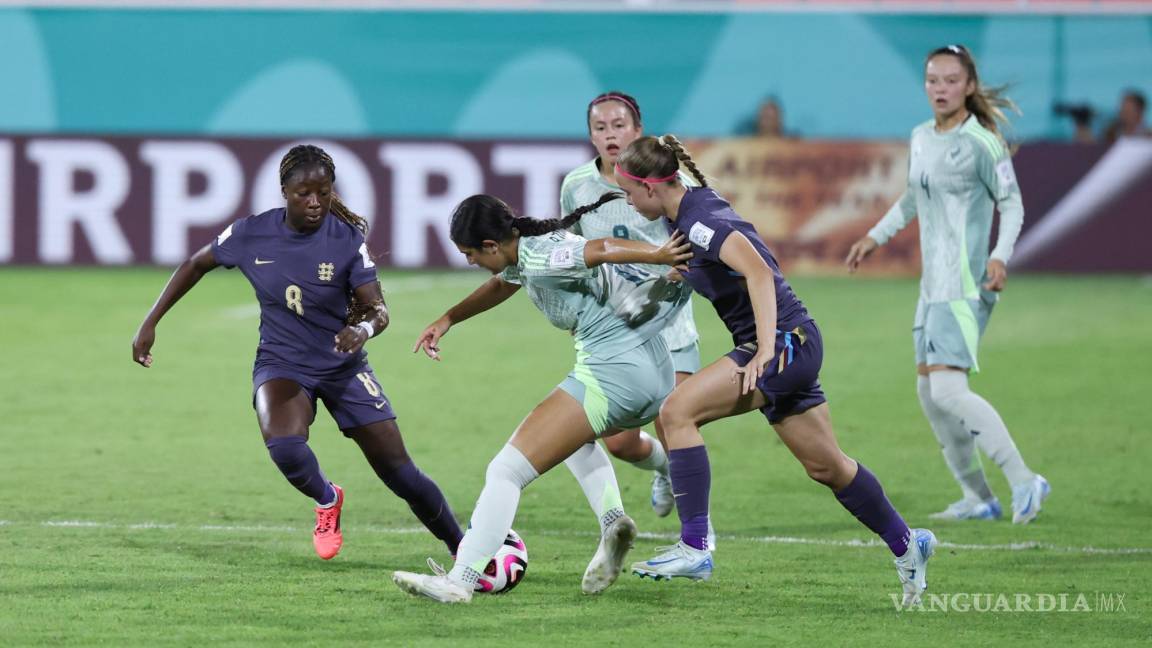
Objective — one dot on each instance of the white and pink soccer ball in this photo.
(507, 568)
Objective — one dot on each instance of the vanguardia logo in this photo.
(1015, 603)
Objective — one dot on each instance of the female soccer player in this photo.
(623, 370)
(774, 368)
(960, 169)
(614, 121)
(308, 262)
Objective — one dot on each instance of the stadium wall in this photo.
(132, 200)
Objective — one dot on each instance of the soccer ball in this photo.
(507, 568)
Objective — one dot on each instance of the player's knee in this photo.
(678, 410)
(822, 472)
(510, 465)
(624, 445)
(288, 451)
(948, 390)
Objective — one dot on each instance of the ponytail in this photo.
(656, 160)
(483, 217)
(533, 227)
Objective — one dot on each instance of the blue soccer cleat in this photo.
(912, 567)
(1028, 498)
(971, 509)
(662, 500)
(676, 561)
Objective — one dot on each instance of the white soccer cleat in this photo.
(1028, 498)
(438, 587)
(609, 559)
(676, 561)
(662, 500)
(971, 509)
(912, 567)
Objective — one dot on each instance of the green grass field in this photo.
(141, 507)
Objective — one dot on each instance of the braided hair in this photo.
(305, 155)
(659, 157)
(483, 217)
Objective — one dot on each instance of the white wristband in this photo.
(367, 327)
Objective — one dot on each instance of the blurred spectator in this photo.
(1082, 116)
(1129, 120)
(768, 121)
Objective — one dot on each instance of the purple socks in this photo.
(865, 499)
(295, 459)
(426, 501)
(691, 483)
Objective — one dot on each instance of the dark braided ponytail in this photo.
(304, 155)
(483, 217)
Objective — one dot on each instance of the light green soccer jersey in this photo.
(617, 219)
(955, 179)
(610, 308)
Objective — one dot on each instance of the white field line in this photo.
(780, 540)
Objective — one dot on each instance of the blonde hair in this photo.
(659, 157)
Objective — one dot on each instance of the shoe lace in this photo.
(436, 568)
(326, 520)
(660, 551)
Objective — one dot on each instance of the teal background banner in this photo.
(514, 74)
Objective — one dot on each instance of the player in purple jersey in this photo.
(311, 270)
(774, 368)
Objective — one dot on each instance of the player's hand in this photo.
(997, 275)
(429, 340)
(674, 275)
(860, 251)
(351, 339)
(675, 252)
(142, 345)
(751, 372)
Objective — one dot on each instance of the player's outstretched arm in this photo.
(675, 252)
(489, 295)
(187, 275)
(896, 219)
(353, 337)
(738, 253)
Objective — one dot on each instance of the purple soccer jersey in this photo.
(303, 283)
(707, 220)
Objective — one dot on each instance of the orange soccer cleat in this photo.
(328, 538)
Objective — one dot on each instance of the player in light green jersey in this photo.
(602, 292)
(960, 170)
(614, 121)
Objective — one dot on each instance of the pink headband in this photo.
(621, 171)
(614, 97)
